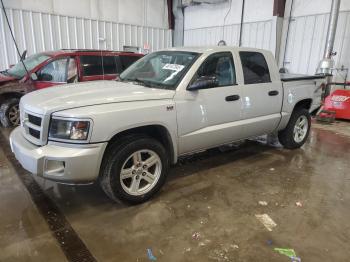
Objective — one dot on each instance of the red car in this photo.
(55, 68)
(339, 103)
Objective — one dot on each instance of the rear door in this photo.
(262, 94)
(91, 67)
(110, 70)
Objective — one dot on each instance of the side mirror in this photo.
(204, 82)
(33, 76)
(24, 54)
(283, 70)
(45, 77)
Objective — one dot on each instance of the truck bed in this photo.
(286, 77)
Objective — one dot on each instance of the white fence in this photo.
(307, 38)
(255, 34)
(35, 32)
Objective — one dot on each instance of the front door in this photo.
(57, 72)
(207, 117)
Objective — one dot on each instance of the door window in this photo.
(109, 65)
(255, 68)
(72, 73)
(221, 67)
(126, 61)
(55, 71)
(92, 65)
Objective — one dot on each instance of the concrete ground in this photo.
(205, 212)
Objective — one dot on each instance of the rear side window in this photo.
(255, 69)
(109, 65)
(127, 61)
(92, 65)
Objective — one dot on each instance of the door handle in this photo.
(273, 93)
(232, 98)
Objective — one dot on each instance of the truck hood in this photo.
(64, 97)
(5, 79)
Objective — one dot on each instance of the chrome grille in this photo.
(33, 127)
(34, 133)
(35, 120)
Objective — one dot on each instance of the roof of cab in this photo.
(211, 49)
(87, 51)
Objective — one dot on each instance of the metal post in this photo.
(332, 28)
(327, 63)
(241, 26)
(178, 11)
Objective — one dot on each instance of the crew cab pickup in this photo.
(125, 134)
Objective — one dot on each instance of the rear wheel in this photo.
(9, 112)
(297, 130)
(134, 170)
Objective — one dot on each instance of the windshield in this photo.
(31, 62)
(163, 69)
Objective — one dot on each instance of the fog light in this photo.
(54, 167)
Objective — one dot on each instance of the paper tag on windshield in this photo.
(173, 67)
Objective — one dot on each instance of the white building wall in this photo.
(41, 25)
(151, 13)
(206, 24)
(307, 35)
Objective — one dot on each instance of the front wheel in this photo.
(9, 112)
(134, 170)
(297, 130)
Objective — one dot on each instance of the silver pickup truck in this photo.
(125, 134)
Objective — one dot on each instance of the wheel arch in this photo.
(156, 131)
(303, 103)
(8, 95)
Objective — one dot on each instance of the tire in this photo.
(288, 137)
(135, 187)
(9, 112)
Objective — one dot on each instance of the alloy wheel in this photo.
(13, 115)
(300, 129)
(140, 172)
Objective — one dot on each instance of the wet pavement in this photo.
(205, 212)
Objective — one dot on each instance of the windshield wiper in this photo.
(4, 72)
(141, 82)
(138, 81)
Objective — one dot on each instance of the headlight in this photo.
(61, 129)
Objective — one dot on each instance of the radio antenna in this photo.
(13, 37)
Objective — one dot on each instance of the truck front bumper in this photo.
(65, 163)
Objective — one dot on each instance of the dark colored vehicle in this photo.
(53, 68)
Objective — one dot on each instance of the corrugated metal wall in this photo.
(307, 40)
(255, 34)
(35, 32)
